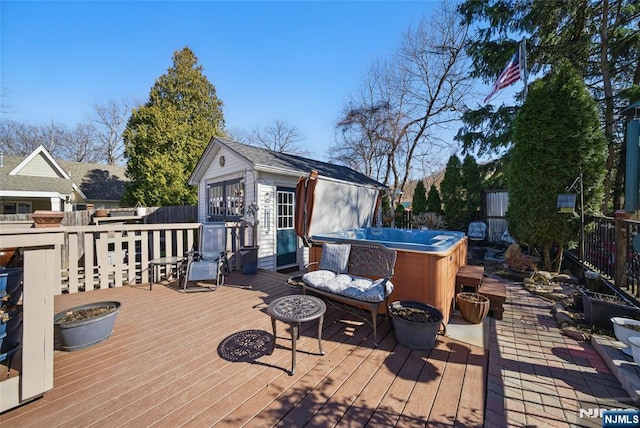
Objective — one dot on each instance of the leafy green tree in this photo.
(452, 190)
(165, 137)
(419, 201)
(557, 137)
(472, 183)
(599, 38)
(434, 203)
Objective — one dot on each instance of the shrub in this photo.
(429, 220)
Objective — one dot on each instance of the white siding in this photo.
(264, 185)
(234, 167)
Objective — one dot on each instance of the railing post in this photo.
(621, 245)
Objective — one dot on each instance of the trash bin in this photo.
(249, 259)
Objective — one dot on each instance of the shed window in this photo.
(226, 201)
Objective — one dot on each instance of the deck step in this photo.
(496, 291)
(469, 276)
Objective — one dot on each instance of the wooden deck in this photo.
(169, 363)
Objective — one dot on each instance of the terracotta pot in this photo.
(47, 218)
(101, 213)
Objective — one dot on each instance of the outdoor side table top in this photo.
(294, 310)
(164, 261)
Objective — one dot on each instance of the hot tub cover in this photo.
(325, 205)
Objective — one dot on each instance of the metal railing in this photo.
(609, 251)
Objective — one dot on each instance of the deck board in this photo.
(162, 367)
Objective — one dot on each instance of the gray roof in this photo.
(97, 182)
(268, 158)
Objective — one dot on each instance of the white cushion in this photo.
(335, 257)
(318, 277)
(351, 286)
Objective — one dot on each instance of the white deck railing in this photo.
(114, 255)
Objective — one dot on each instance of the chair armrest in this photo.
(306, 267)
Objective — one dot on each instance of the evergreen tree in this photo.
(599, 38)
(557, 137)
(452, 191)
(165, 137)
(419, 201)
(434, 203)
(472, 183)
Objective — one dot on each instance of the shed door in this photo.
(286, 240)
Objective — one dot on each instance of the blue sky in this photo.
(291, 61)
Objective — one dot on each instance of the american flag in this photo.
(509, 75)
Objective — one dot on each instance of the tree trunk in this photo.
(558, 260)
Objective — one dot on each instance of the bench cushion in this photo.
(335, 257)
(355, 287)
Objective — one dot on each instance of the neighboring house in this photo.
(237, 182)
(40, 182)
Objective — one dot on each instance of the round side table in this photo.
(294, 310)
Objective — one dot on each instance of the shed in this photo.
(239, 183)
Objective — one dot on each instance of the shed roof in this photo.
(272, 161)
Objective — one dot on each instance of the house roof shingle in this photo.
(262, 157)
(96, 181)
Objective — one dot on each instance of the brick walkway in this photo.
(539, 377)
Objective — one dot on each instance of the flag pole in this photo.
(523, 61)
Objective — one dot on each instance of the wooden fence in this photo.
(154, 215)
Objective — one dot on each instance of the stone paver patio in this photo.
(540, 377)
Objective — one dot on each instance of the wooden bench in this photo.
(496, 291)
(356, 273)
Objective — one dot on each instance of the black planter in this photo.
(77, 335)
(600, 308)
(416, 335)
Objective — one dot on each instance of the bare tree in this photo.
(18, 138)
(422, 88)
(80, 144)
(279, 137)
(110, 121)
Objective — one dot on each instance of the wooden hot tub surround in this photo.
(426, 277)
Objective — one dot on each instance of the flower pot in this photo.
(600, 308)
(80, 334)
(10, 285)
(635, 348)
(101, 213)
(473, 307)
(623, 329)
(478, 253)
(43, 219)
(416, 324)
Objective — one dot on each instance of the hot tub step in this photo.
(496, 291)
(469, 276)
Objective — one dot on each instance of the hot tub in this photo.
(426, 266)
(398, 239)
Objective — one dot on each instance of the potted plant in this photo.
(86, 325)
(520, 265)
(473, 307)
(599, 308)
(101, 212)
(416, 324)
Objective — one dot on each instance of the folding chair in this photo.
(210, 262)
